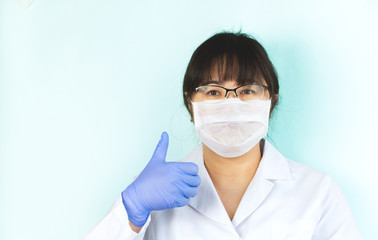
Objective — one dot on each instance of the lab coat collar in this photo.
(273, 166)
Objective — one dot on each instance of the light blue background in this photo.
(87, 87)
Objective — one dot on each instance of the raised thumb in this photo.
(161, 149)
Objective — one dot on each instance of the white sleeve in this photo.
(115, 225)
(337, 222)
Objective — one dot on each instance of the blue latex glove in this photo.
(161, 185)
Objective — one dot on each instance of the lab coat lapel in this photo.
(273, 166)
(257, 191)
(207, 200)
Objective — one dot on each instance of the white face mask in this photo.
(231, 127)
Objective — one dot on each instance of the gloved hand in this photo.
(161, 185)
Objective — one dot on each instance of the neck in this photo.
(226, 173)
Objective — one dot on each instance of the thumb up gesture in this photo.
(161, 185)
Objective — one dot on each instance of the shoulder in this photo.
(300, 171)
(316, 181)
(300, 176)
(290, 169)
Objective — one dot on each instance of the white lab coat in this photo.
(285, 200)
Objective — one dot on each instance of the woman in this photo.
(235, 185)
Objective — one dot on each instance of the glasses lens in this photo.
(250, 92)
(209, 92)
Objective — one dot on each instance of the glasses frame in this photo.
(233, 90)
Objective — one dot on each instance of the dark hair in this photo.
(236, 56)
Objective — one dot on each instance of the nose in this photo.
(230, 93)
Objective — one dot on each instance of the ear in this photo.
(189, 106)
(275, 98)
(273, 103)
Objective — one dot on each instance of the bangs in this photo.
(224, 60)
(229, 67)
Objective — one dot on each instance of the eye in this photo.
(249, 91)
(212, 93)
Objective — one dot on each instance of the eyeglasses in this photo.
(244, 93)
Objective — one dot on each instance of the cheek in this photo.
(266, 94)
(194, 98)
